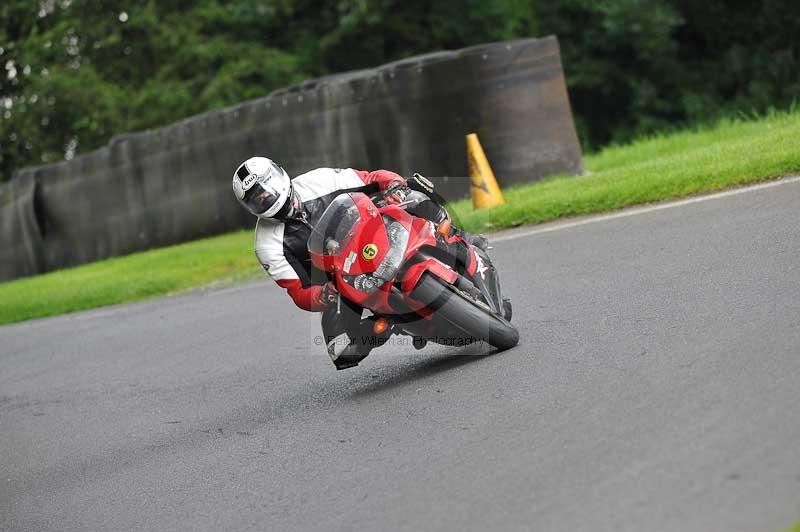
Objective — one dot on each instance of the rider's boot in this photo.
(348, 349)
(347, 353)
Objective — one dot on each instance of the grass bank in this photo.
(658, 168)
(222, 260)
(653, 169)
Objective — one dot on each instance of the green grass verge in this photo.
(670, 166)
(220, 260)
(733, 152)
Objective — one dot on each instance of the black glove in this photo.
(329, 294)
(395, 193)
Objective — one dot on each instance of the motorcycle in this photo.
(417, 278)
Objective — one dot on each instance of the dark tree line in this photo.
(76, 72)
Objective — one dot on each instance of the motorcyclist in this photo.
(287, 210)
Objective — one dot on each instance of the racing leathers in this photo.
(281, 245)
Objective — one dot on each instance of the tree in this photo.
(77, 72)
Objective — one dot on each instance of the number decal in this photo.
(370, 251)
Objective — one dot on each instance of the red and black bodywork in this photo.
(408, 271)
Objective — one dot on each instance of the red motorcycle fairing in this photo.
(434, 266)
(366, 244)
(413, 275)
(370, 231)
(405, 276)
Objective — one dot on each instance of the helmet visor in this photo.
(261, 197)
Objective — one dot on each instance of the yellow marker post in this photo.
(485, 190)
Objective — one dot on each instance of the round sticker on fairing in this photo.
(370, 251)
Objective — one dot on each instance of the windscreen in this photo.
(338, 223)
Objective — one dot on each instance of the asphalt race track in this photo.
(656, 387)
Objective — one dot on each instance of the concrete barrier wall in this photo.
(173, 184)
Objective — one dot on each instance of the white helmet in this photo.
(263, 188)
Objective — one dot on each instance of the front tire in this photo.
(471, 319)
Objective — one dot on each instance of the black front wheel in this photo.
(460, 314)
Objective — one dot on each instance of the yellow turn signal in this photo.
(380, 326)
(444, 227)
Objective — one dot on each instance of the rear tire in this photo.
(461, 312)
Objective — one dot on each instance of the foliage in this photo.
(77, 72)
(731, 153)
